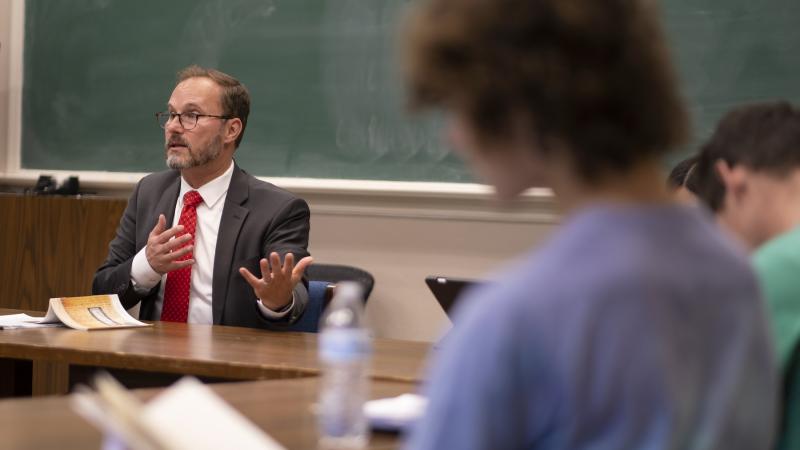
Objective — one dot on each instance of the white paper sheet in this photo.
(395, 413)
(191, 415)
(12, 321)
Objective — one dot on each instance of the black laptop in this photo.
(447, 289)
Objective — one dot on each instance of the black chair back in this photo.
(334, 273)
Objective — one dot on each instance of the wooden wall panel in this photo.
(51, 246)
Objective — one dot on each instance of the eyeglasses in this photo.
(188, 120)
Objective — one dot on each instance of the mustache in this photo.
(176, 140)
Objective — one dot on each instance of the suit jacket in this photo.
(258, 218)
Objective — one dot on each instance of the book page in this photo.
(190, 415)
(92, 312)
(187, 415)
(14, 321)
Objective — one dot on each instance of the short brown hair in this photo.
(235, 97)
(593, 74)
(764, 137)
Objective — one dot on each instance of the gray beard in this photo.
(196, 159)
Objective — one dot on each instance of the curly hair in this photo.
(235, 97)
(593, 74)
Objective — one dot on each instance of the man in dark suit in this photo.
(222, 221)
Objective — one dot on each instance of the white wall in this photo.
(401, 247)
(398, 232)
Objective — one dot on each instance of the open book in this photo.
(94, 312)
(187, 415)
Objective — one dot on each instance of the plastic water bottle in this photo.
(344, 350)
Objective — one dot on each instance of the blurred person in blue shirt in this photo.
(638, 324)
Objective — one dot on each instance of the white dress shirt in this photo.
(209, 215)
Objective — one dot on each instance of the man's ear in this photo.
(733, 178)
(234, 129)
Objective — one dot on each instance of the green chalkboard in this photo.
(326, 96)
(730, 52)
(327, 99)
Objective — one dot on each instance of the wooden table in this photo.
(231, 353)
(283, 408)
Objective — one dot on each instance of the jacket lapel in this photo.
(233, 215)
(166, 203)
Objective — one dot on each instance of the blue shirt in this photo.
(632, 328)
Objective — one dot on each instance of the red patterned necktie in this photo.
(176, 291)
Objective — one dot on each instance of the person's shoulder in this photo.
(697, 265)
(158, 179)
(665, 239)
(778, 260)
(261, 187)
(270, 196)
(779, 249)
(153, 185)
(710, 249)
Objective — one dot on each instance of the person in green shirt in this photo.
(749, 175)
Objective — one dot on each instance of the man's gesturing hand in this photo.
(163, 252)
(275, 286)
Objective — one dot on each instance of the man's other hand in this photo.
(277, 281)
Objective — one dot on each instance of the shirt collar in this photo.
(211, 191)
